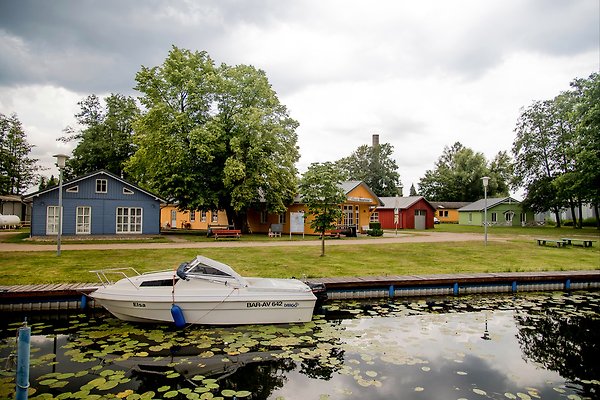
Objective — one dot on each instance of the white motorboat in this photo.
(204, 291)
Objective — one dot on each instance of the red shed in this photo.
(413, 212)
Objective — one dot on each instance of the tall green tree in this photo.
(320, 187)
(458, 172)
(374, 166)
(214, 137)
(18, 171)
(105, 140)
(413, 190)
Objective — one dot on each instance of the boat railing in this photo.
(103, 274)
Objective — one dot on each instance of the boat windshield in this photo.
(203, 269)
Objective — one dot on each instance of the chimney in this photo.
(375, 140)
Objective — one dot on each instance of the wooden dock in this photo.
(75, 295)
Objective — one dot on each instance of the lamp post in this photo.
(486, 180)
(61, 159)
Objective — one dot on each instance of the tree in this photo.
(17, 170)
(374, 166)
(214, 137)
(45, 183)
(106, 140)
(458, 172)
(322, 193)
(413, 191)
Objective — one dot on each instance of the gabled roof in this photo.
(479, 205)
(92, 174)
(347, 187)
(402, 203)
(449, 205)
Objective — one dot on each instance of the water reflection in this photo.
(529, 346)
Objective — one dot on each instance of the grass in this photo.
(304, 261)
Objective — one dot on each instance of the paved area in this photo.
(421, 237)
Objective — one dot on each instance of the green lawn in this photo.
(517, 254)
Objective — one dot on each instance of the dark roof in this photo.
(91, 174)
(479, 205)
(451, 205)
(401, 202)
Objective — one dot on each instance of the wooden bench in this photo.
(556, 242)
(334, 233)
(227, 233)
(578, 242)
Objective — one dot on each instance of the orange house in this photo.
(356, 213)
(171, 217)
(447, 211)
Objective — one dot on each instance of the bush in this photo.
(375, 225)
(375, 232)
(591, 222)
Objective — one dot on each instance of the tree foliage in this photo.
(18, 171)
(320, 187)
(557, 149)
(105, 140)
(214, 137)
(458, 172)
(374, 166)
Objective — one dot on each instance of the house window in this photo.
(443, 213)
(470, 217)
(101, 186)
(282, 218)
(192, 215)
(508, 216)
(214, 216)
(348, 215)
(494, 217)
(73, 189)
(203, 216)
(52, 219)
(127, 191)
(83, 220)
(374, 217)
(523, 218)
(263, 216)
(129, 220)
(420, 212)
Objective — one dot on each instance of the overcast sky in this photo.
(421, 74)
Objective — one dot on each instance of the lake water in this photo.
(530, 346)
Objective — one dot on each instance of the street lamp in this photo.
(61, 159)
(486, 180)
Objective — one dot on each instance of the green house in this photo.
(504, 211)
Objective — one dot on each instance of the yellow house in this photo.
(171, 217)
(360, 204)
(447, 211)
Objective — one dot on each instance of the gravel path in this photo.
(422, 237)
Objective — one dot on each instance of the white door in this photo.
(420, 216)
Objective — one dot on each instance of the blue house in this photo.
(99, 203)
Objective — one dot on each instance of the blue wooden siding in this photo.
(103, 207)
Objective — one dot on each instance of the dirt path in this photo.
(426, 237)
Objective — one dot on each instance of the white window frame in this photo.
(203, 216)
(494, 217)
(192, 215)
(127, 191)
(214, 216)
(129, 220)
(508, 216)
(83, 220)
(52, 220)
(374, 216)
(73, 189)
(282, 218)
(101, 185)
(348, 215)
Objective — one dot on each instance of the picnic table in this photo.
(578, 242)
(556, 242)
(229, 233)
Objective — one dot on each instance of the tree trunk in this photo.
(557, 216)
(573, 216)
(237, 219)
(580, 204)
(323, 244)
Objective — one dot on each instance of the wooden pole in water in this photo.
(23, 362)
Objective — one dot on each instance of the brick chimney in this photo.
(375, 140)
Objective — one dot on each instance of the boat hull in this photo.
(231, 312)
